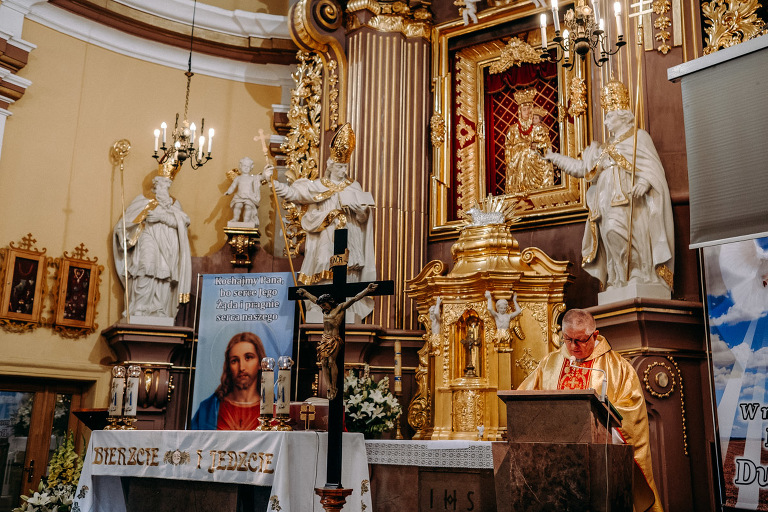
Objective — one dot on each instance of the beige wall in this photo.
(57, 182)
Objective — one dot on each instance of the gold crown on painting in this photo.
(525, 96)
(342, 144)
(614, 96)
(168, 169)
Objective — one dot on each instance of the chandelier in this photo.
(182, 146)
(585, 32)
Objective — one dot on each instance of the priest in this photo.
(584, 347)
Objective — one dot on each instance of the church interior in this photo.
(473, 133)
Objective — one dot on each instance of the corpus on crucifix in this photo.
(471, 342)
(333, 327)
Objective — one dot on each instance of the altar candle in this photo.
(157, 137)
(116, 391)
(132, 390)
(617, 12)
(543, 31)
(164, 127)
(210, 139)
(398, 367)
(284, 364)
(267, 385)
(555, 16)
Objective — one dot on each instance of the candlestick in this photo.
(283, 409)
(267, 393)
(116, 391)
(543, 32)
(617, 12)
(398, 367)
(132, 390)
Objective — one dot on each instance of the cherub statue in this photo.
(503, 316)
(468, 10)
(434, 316)
(331, 342)
(247, 190)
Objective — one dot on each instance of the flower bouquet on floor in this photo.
(369, 406)
(56, 492)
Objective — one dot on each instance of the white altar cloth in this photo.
(291, 463)
(438, 454)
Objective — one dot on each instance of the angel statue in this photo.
(503, 316)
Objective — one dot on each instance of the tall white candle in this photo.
(283, 401)
(164, 127)
(157, 137)
(267, 386)
(116, 391)
(543, 31)
(200, 148)
(617, 12)
(192, 129)
(210, 139)
(596, 9)
(132, 390)
(555, 16)
(566, 45)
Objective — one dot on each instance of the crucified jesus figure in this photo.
(331, 342)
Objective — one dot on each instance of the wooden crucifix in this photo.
(333, 331)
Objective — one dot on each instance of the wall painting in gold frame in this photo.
(477, 70)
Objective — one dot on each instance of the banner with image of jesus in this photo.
(737, 303)
(243, 318)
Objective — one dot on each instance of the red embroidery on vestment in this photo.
(574, 378)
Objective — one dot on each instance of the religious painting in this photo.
(498, 107)
(243, 318)
(736, 278)
(22, 296)
(78, 293)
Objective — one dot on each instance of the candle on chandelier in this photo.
(555, 16)
(617, 12)
(596, 9)
(132, 390)
(164, 127)
(192, 129)
(267, 385)
(210, 139)
(543, 31)
(157, 137)
(200, 148)
(284, 364)
(117, 389)
(566, 46)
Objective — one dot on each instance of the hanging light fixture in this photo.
(585, 33)
(182, 146)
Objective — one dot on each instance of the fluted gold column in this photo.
(388, 106)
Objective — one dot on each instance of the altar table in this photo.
(292, 464)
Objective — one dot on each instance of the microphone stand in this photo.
(604, 391)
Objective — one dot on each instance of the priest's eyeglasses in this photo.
(576, 341)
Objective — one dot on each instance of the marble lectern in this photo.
(556, 455)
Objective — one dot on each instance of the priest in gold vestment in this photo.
(582, 341)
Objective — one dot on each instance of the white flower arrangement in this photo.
(57, 492)
(370, 407)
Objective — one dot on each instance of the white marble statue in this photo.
(503, 316)
(159, 263)
(608, 169)
(247, 195)
(468, 10)
(434, 316)
(333, 202)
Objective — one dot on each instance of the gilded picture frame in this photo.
(77, 294)
(24, 273)
(462, 56)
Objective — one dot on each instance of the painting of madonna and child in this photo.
(243, 318)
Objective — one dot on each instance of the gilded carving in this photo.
(539, 313)
(662, 24)
(468, 405)
(391, 17)
(437, 126)
(730, 22)
(527, 363)
(333, 95)
(419, 409)
(515, 53)
(578, 97)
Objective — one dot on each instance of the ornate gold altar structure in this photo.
(464, 361)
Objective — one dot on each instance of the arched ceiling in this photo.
(222, 28)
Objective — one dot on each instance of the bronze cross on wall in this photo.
(333, 325)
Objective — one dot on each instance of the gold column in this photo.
(388, 107)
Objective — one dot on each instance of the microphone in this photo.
(604, 392)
